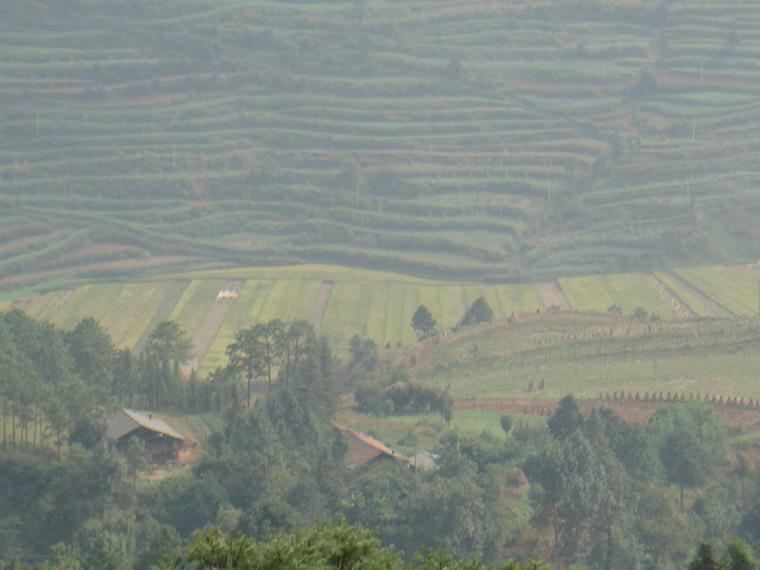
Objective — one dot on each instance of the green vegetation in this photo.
(596, 294)
(589, 354)
(342, 302)
(736, 289)
(605, 491)
(499, 140)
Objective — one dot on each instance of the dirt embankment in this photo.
(709, 304)
(679, 307)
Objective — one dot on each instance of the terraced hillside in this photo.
(342, 302)
(461, 139)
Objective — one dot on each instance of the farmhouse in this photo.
(364, 450)
(161, 440)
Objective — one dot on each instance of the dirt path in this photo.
(552, 295)
(207, 329)
(680, 308)
(709, 304)
(319, 308)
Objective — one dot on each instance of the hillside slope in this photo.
(483, 140)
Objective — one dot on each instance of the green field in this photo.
(506, 141)
(737, 289)
(587, 355)
(374, 304)
(597, 294)
(127, 311)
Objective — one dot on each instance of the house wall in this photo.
(162, 449)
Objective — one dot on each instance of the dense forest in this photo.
(603, 492)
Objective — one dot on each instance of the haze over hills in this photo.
(492, 140)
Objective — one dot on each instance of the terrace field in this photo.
(341, 302)
(589, 354)
(475, 141)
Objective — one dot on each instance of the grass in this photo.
(377, 305)
(597, 294)
(589, 355)
(191, 307)
(247, 308)
(736, 288)
(428, 428)
(125, 310)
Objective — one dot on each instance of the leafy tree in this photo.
(506, 424)
(532, 565)
(635, 446)
(127, 376)
(705, 558)
(453, 511)
(155, 542)
(103, 548)
(423, 323)
(298, 342)
(136, 457)
(63, 557)
(169, 343)
(93, 352)
(567, 419)
(692, 444)
(192, 502)
(479, 312)
(739, 556)
(270, 337)
(579, 496)
(337, 546)
(666, 534)
(640, 314)
(87, 432)
(245, 356)
(363, 352)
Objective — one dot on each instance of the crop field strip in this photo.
(597, 294)
(128, 311)
(373, 304)
(735, 289)
(305, 128)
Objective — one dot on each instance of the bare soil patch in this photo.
(319, 308)
(552, 295)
